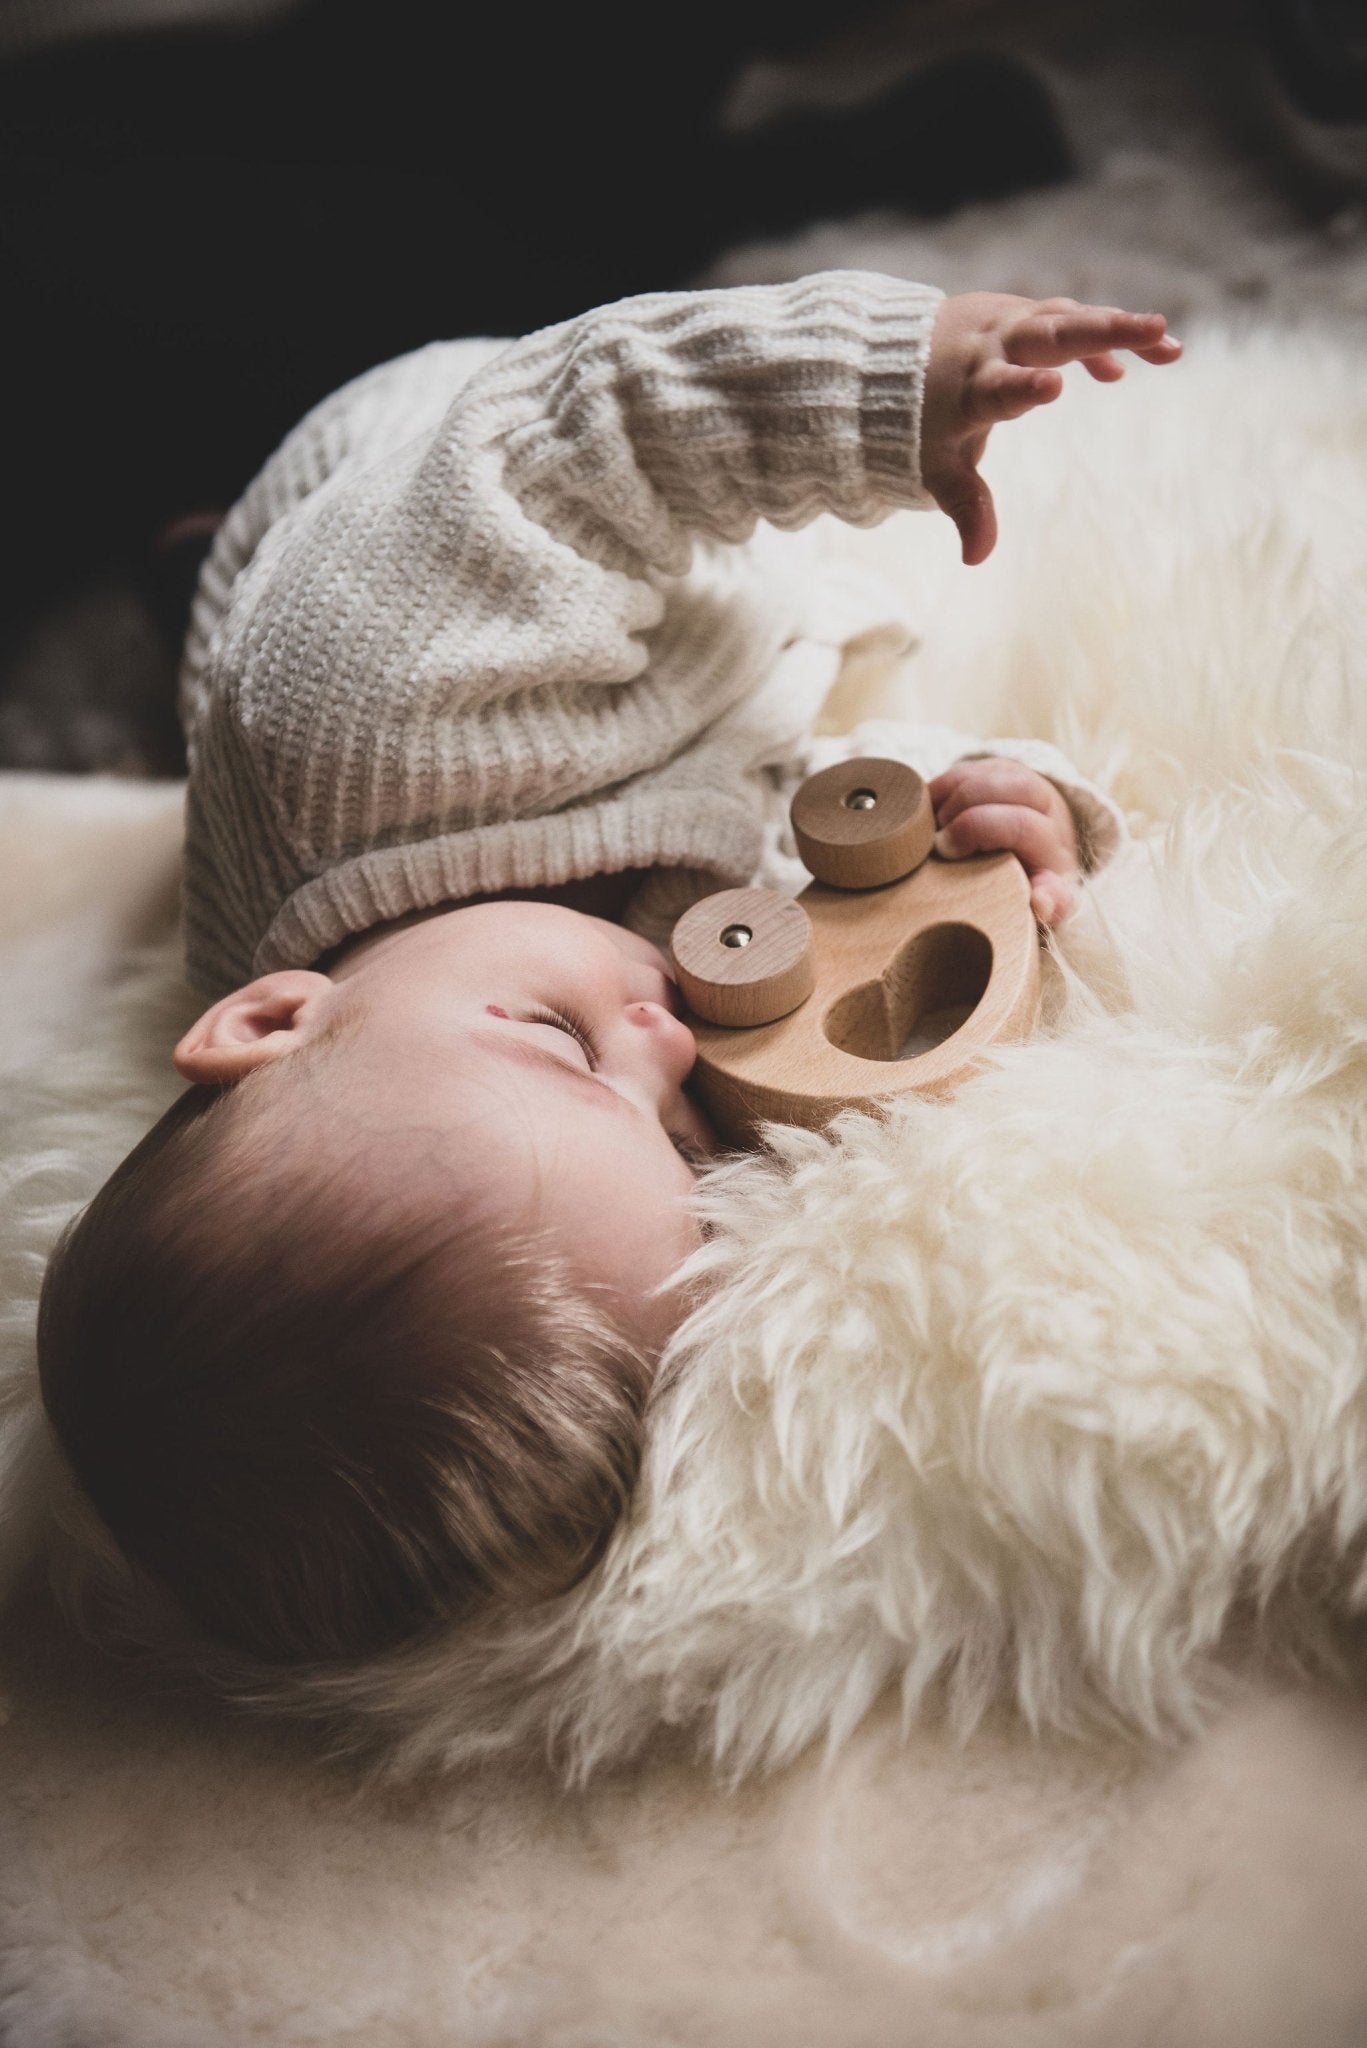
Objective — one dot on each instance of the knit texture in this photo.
(480, 621)
(505, 616)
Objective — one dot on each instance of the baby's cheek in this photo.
(617, 1194)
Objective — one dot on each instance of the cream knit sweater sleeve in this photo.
(482, 631)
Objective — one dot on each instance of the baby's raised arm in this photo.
(846, 392)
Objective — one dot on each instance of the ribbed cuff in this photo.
(716, 833)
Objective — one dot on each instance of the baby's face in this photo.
(538, 1060)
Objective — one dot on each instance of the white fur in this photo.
(1027, 1393)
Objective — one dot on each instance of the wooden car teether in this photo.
(805, 1006)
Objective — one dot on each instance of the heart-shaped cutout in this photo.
(930, 987)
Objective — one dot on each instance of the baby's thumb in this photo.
(968, 503)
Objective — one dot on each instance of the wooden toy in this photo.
(890, 972)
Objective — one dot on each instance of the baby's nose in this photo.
(671, 1044)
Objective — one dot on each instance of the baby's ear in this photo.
(267, 1020)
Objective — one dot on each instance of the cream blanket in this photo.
(1024, 1401)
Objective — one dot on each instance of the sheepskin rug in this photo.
(1038, 1413)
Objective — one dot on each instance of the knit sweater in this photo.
(499, 616)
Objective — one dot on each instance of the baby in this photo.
(504, 659)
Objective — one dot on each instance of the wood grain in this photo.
(863, 822)
(952, 934)
(760, 978)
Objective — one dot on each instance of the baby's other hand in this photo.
(997, 806)
(993, 357)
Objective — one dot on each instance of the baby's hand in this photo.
(997, 806)
(994, 357)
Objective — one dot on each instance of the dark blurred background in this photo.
(211, 214)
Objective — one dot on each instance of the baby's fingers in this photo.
(1034, 838)
(1046, 341)
(1042, 850)
(978, 780)
(1003, 391)
(1051, 897)
(1107, 369)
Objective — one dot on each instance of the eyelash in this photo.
(578, 1030)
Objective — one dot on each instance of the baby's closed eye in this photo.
(572, 1026)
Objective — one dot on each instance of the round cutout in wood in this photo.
(862, 823)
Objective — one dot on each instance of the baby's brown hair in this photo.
(344, 1425)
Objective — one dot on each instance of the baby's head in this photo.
(358, 1340)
